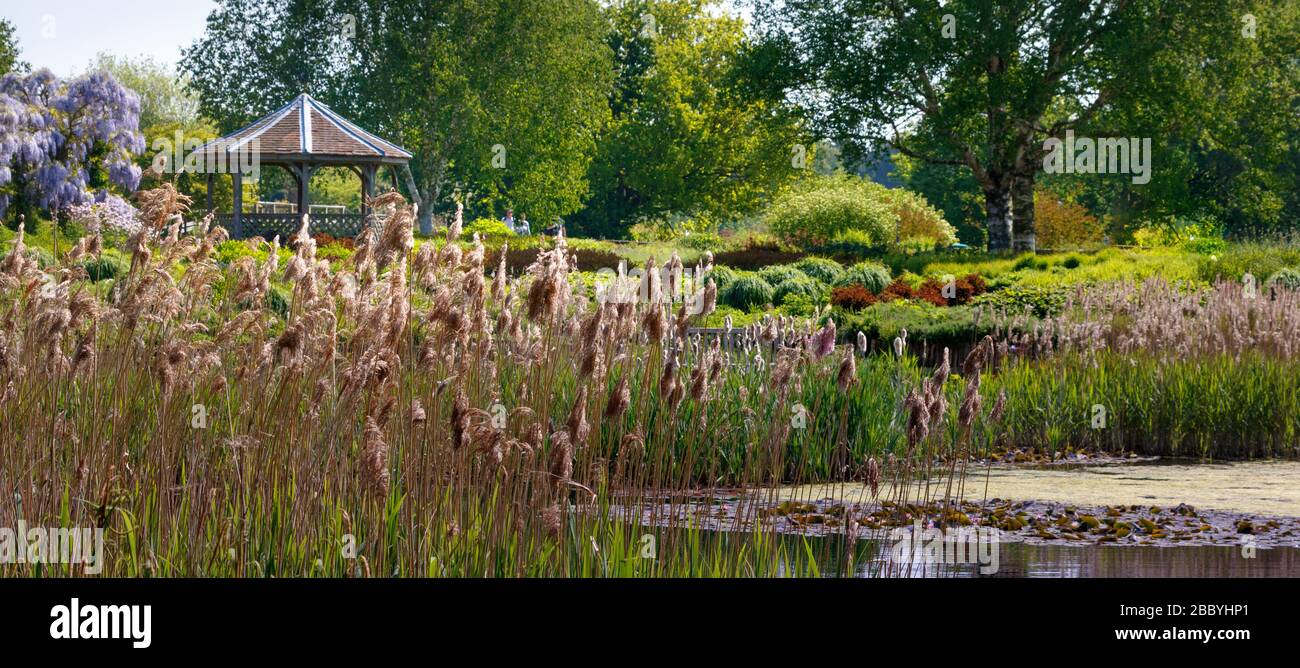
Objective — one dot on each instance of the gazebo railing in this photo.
(267, 225)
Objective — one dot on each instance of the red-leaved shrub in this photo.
(852, 297)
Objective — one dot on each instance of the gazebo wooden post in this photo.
(302, 172)
(368, 173)
(237, 211)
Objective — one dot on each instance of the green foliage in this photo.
(44, 257)
(747, 292)
(683, 138)
(918, 222)
(1183, 79)
(487, 228)
(336, 185)
(162, 142)
(701, 241)
(823, 269)
(9, 49)
(802, 305)
(231, 250)
(1288, 277)
(870, 275)
(819, 210)
(739, 318)
(851, 246)
(778, 273)
(1221, 407)
(1040, 301)
(333, 252)
(107, 266)
(1200, 234)
(938, 326)
(723, 276)
(278, 300)
(950, 188)
(1030, 261)
(798, 287)
(1258, 259)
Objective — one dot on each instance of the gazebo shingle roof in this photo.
(306, 129)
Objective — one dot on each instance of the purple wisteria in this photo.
(105, 212)
(54, 132)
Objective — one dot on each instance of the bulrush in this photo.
(999, 406)
(619, 399)
(459, 419)
(548, 283)
(668, 380)
(551, 519)
(577, 423)
(561, 458)
(824, 342)
(499, 277)
(710, 298)
(873, 476)
(374, 457)
(940, 375)
(848, 370)
(457, 222)
(674, 269)
(918, 418)
(15, 262)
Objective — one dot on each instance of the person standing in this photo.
(522, 229)
(509, 220)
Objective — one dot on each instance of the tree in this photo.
(984, 85)
(66, 139)
(9, 49)
(499, 101)
(685, 136)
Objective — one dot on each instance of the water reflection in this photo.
(1020, 560)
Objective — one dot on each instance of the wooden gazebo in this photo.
(301, 137)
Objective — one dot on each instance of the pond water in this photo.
(1262, 487)
(1020, 560)
(1257, 490)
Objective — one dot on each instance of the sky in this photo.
(65, 35)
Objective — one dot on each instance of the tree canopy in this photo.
(686, 136)
(984, 86)
(9, 51)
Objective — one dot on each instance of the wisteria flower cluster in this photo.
(106, 212)
(52, 132)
